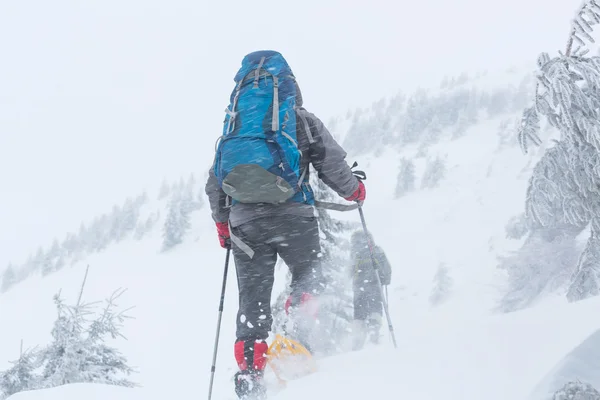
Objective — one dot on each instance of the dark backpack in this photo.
(258, 159)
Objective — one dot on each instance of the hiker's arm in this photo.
(216, 198)
(329, 158)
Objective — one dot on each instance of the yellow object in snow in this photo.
(289, 359)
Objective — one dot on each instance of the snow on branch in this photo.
(582, 26)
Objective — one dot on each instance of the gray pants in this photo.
(296, 240)
(367, 298)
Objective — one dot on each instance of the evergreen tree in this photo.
(563, 189)
(416, 118)
(406, 178)
(544, 263)
(435, 171)
(164, 190)
(23, 375)
(146, 226)
(52, 259)
(586, 279)
(177, 222)
(9, 278)
(78, 352)
(71, 247)
(442, 284)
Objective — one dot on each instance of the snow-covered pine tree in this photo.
(416, 118)
(577, 390)
(78, 352)
(144, 227)
(432, 133)
(71, 247)
(468, 109)
(516, 227)
(165, 190)
(23, 375)
(177, 222)
(53, 259)
(100, 234)
(565, 186)
(435, 171)
(586, 278)
(406, 178)
(543, 264)
(442, 284)
(125, 221)
(9, 278)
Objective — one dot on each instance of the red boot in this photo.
(251, 357)
(308, 305)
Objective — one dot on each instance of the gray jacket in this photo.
(362, 270)
(318, 148)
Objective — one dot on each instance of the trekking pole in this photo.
(383, 299)
(214, 361)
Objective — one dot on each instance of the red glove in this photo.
(223, 231)
(360, 194)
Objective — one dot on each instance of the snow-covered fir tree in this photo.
(78, 352)
(586, 278)
(53, 259)
(406, 178)
(564, 188)
(543, 264)
(144, 227)
(435, 171)
(9, 278)
(177, 222)
(516, 227)
(577, 390)
(23, 375)
(442, 285)
(417, 117)
(165, 190)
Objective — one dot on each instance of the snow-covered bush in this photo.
(577, 391)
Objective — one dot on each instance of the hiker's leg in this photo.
(359, 325)
(255, 283)
(374, 312)
(299, 246)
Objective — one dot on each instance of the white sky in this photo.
(101, 98)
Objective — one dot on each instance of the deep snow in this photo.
(458, 350)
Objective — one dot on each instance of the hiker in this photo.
(368, 306)
(263, 205)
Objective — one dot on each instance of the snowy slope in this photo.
(460, 349)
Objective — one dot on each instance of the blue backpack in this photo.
(258, 159)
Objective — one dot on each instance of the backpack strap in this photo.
(232, 113)
(257, 72)
(275, 122)
(311, 139)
